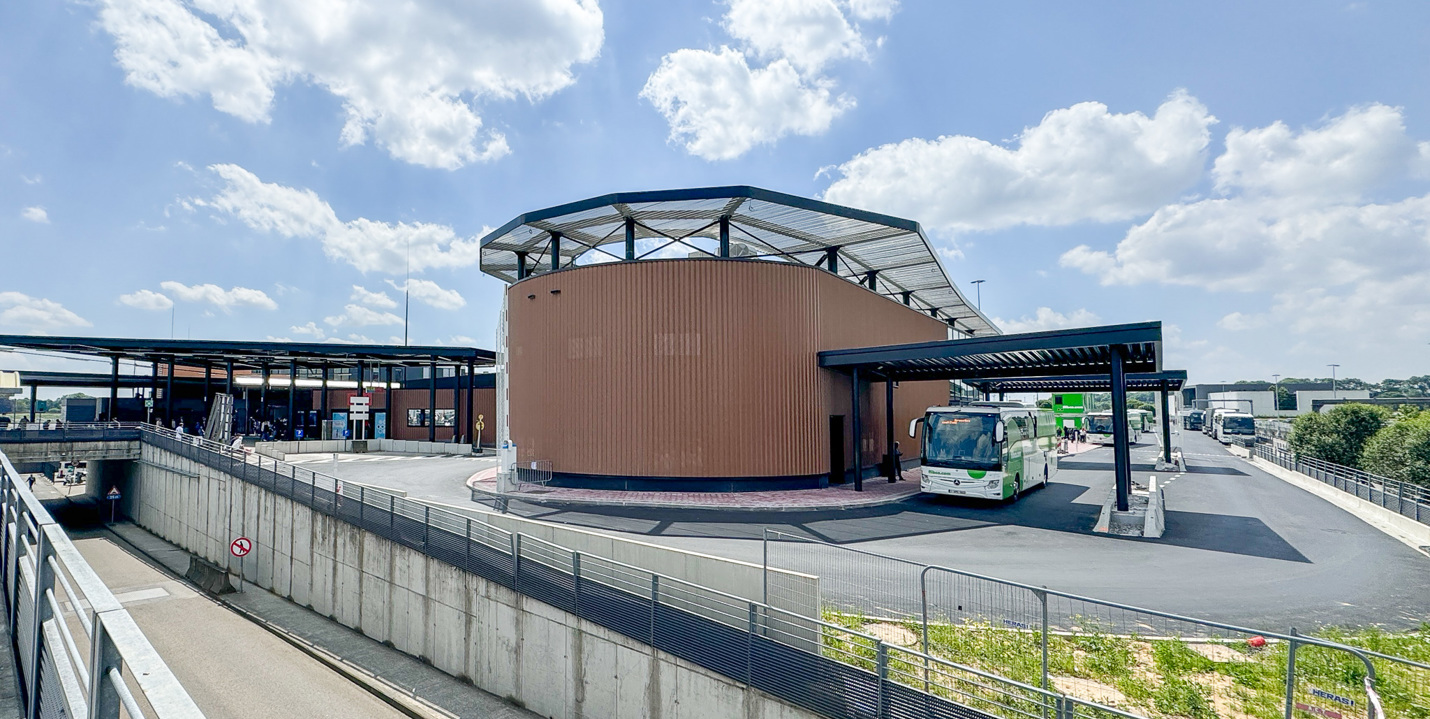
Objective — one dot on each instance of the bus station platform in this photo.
(877, 491)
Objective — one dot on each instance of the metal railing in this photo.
(821, 666)
(1078, 646)
(70, 432)
(79, 652)
(1404, 498)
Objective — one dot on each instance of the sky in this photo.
(1254, 175)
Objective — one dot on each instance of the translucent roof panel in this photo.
(763, 225)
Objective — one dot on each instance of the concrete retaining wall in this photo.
(280, 450)
(550, 661)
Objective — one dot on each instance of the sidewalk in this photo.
(404, 682)
(877, 491)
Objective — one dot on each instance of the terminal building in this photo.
(670, 340)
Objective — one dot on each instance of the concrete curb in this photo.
(560, 503)
(1409, 532)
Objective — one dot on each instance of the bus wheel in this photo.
(1045, 476)
(1017, 488)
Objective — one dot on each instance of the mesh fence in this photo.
(1088, 657)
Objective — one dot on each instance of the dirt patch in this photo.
(1089, 690)
(1218, 652)
(1223, 695)
(892, 634)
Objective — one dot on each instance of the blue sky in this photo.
(1255, 176)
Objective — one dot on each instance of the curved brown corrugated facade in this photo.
(699, 373)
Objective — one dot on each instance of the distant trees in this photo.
(1339, 435)
(1368, 437)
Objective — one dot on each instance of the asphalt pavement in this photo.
(1241, 546)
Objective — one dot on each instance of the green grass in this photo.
(1164, 678)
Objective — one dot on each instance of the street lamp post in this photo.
(1333, 380)
(978, 287)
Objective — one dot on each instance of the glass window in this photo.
(1099, 424)
(416, 418)
(446, 417)
(1239, 425)
(962, 441)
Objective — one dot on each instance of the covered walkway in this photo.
(1105, 354)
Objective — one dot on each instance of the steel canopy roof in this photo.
(248, 354)
(762, 225)
(1059, 353)
(1139, 382)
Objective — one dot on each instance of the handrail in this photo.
(114, 639)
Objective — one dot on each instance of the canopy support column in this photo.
(831, 258)
(555, 253)
(1122, 456)
(263, 398)
(292, 399)
(893, 457)
(114, 388)
(858, 430)
(456, 403)
(32, 402)
(1166, 427)
(432, 401)
(324, 416)
(208, 387)
(630, 238)
(724, 236)
(169, 394)
(520, 275)
(471, 403)
(153, 391)
(387, 401)
(362, 392)
(228, 390)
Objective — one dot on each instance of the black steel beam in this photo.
(1121, 453)
(432, 403)
(1166, 427)
(858, 430)
(292, 399)
(630, 238)
(114, 387)
(1143, 333)
(892, 458)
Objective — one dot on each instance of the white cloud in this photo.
(1079, 163)
(1293, 225)
(36, 314)
(719, 106)
(225, 300)
(32, 179)
(1045, 318)
(36, 214)
(311, 329)
(430, 293)
(147, 300)
(410, 74)
(1350, 155)
(359, 316)
(808, 33)
(1239, 321)
(365, 244)
(364, 296)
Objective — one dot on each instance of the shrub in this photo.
(1339, 435)
(1401, 451)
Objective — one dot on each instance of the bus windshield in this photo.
(1099, 424)
(961, 441)
(1238, 425)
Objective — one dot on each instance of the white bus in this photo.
(1231, 425)
(991, 450)
(1099, 428)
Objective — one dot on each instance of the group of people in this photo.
(1068, 435)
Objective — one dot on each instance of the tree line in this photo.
(1372, 438)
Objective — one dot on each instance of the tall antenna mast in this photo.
(407, 293)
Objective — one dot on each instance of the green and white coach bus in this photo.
(1099, 427)
(991, 450)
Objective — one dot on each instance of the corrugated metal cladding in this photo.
(699, 368)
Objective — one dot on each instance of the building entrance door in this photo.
(836, 449)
